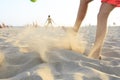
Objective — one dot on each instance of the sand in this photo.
(30, 53)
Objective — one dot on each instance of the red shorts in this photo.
(113, 2)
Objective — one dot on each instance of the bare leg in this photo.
(81, 13)
(101, 29)
(80, 16)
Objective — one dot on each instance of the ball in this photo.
(33, 0)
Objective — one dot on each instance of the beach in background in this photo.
(37, 53)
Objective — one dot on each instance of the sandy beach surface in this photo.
(52, 54)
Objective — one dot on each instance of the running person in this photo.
(106, 7)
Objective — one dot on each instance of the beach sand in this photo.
(52, 54)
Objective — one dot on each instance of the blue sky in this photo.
(63, 12)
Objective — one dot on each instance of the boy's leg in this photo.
(81, 13)
(101, 29)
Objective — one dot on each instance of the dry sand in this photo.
(52, 54)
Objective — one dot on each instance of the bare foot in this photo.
(70, 30)
(94, 55)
